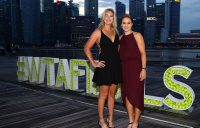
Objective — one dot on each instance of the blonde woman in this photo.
(107, 74)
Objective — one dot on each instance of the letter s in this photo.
(178, 87)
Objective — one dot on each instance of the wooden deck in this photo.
(38, 107)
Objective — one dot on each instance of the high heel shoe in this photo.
(109, 123)
(100, 125)
(136, 125)
(130, 123)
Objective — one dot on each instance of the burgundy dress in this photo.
(132, 87)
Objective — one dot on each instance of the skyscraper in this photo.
(30, 11)
(10, 20)
(120, 9)
(5, 22)
(167, 15)
(160, 19)
(1, 21)
(16, 22)
(72, 9)
(172, 19)
(47, 18)
(80, 29)
(150, 30)
(91, 8)
(174, 16)
(151, 8)
(150, 22)
(136, 8)
(59, 22)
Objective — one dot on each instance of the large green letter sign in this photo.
(179, 87)
(63, 76)
(50, 62)
(33, 69)
(75, 72)
(23, 69)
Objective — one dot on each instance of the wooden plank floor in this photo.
(22, 107)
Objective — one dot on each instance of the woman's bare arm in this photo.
(141, 46)
(95, 36)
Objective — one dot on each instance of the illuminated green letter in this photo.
(63, 76)
(50, 70)
(23, 69)
(179, 87)
(75, 72)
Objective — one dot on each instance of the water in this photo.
(160, 57)
(186, 57)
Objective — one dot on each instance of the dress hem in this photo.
(132, 103)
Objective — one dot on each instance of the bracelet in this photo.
(144, 68)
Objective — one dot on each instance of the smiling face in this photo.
(127, 24)
(108, 18)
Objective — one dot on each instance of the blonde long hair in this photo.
(114, 23)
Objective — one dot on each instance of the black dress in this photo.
(111, 73)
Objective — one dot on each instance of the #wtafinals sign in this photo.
(33, 70)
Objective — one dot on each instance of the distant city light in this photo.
(151, 18)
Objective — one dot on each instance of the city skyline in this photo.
(189, 12)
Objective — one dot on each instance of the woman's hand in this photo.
(99, 64)
(143, 74)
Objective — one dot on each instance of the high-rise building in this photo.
(166, 29)
(91, 8)
(56, 18)
(172, 19)
(150, 23)
(16, 22)
(31, 20)
(47, 24)
(150, 8)
(1, 21)
(195, 31)
(10, 21)
(60, 22)
(174, 16)
(160, 19)
(120, 9)
(138, 25)
(136, 10)
(5, 25)
(150, 30)
(167, 15)
(80, 29)
(72, 9)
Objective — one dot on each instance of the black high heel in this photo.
(100, 124)
(108, 123)
(130, 123)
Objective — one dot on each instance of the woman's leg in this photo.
(130, 111)
(136, 118)
(103, 94)
(111, 102)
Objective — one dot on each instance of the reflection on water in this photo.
(186, 57)
(160, 57)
